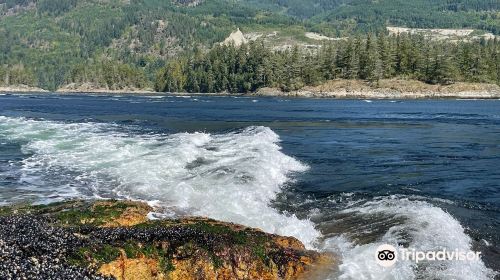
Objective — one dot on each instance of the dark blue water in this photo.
(445, 153)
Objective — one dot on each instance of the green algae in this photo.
(87, 256)
(234, 236)
(99, 255)
(95, 215)
(72, 213)
(209, 237)
(5, 210)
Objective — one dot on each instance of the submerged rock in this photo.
(115, 239)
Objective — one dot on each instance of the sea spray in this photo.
(231, 177)
(413, 225)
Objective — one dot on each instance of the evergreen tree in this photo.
(253, 66)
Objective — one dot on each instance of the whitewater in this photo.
(233, 176)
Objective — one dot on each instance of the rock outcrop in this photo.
(189, 3)
(94, 88)
(20, 88)
(388, 89)
(115, 239)
(236, 38)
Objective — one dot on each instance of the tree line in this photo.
(50, 43)
(337, 18)
(371, 58)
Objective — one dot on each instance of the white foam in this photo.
(231, 177)
(424, 228)
(154, 96)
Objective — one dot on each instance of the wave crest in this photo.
(231, 177)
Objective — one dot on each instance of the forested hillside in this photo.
(343, 17)
(119, 44)
(253, 66)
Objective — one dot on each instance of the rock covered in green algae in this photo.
(97, 239)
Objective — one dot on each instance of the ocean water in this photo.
(343, 176)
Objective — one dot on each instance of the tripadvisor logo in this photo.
(386, 255)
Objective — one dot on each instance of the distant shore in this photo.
(386, 89)
(390, 89)
(21, 88)
(336, 89)
(92, 88)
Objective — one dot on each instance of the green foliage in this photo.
(108, 74)
(17, 74)
(371, 58)
(347, 16)
(8, 4)
(125, 44)
(55, 7)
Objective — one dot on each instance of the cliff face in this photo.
(115, 239)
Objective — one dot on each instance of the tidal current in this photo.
(343, 176)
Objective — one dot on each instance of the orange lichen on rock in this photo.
(288, 242)
(133, 213)
(130, 217)
(141, 268)
(196, 264)
(120, 241)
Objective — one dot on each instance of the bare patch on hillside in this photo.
(188, 3)
(16, 9)
(443, 34)
(319, 37)
(236, 38)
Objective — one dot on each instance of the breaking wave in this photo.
(233, 177)
(404, 222)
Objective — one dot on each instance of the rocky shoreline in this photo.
(92, 88)
(117, 240)
(75, 89)
(389, 89)
(334, 89)
(21, 88)
(381, 94)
